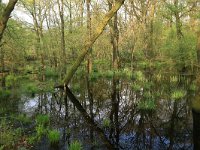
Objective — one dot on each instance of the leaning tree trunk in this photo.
(5, 16)
(86, 48)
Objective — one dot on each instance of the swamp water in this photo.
(167, 126)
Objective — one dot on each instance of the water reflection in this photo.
(169, 126)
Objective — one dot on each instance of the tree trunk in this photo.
(5, 16)
(3, 82)
(89, 69)
(115, 83)
(62, 38)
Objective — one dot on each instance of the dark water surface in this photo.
(167, 126)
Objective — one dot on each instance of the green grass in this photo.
(147, 105)
(178, 94)
(42, 120)
(54, 136)
(50, 72)
(4, 94)
(76, 145)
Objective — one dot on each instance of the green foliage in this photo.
(8, 136)
(76, 145)
(147, 104)
(139, 76)
(193, 87)
(11, 80)
(94, 76)
(4, 94)
(23, 118)
(127, 73)
(40, 131)
(136, 87)
(53, 136)
(183, 51)
(30, 88)
(173, 79)
(51, 72)
(108, 74)
(42, 120)
(31, 140)
(2, 147)
(29, 69)
(106, 123)
(44, 87)
(76, 88)
(178, 94)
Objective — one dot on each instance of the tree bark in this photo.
(115, 83)
(61, 13)
(5, 16)
(89, 69)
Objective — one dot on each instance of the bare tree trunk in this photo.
(62, 38)
(115, 83)
(2, 71)
(89, 69)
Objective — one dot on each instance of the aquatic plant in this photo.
(106, 123)
(139, 76)
(30, 88)
(147, 104)
(41, 131)
(76, 145)
(23, 118)
(11, 80)
(53, 136)
(9, 136)
(178, 94)
(4, 94)
(42, 120)
(136, 87)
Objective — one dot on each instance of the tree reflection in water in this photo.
(168, 126)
